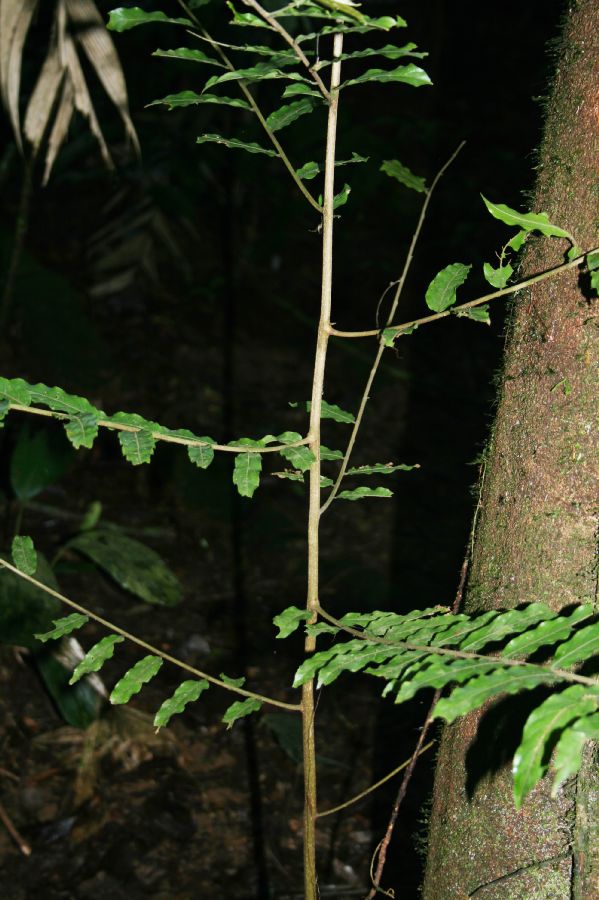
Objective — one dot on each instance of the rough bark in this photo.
(536, 538)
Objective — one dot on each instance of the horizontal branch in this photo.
(457, 654)
(295, 707)
(159, 435)
(504, 292)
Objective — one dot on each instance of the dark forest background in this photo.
(185, 286)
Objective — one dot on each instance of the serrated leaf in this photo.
(362, 493)
(239, 709)
(188, 54)
(441, 292)
(499, 277)
(290, 475)
(132, 681)
(518, 240)
(568, 751)
(122, 19)
(137, 446)
(525, 221)
(95, 658)
(289, 620)
(380, 469)
(234, 144)
(201, 456)
(187, 692)
(264, 71)
(504, 623)
(342, 197)
(410, 74)
(15, 390)
(546, 633)
(301, 457)
(330, 455)
(58, 400)
(246, 19)
(63, 627)
(463, 700)
(287, 114)
(23, 554)
(300, 89)
(401, 173)
(531, 759)
(476, 313)
(190, 98)
(437, 672)
(246, 474)
(582, 646)
(82, 430)
(134, 566)
(332, 411)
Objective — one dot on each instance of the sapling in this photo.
(472, 658)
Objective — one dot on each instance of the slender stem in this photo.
(276, 25)
(159, 435)
(21, 843)
(504, 292)
(312, 602)
(377, 784)
(217, 47)
(507, 661)
(144, 644)
(379, 353)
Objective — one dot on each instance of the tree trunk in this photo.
(536, 538)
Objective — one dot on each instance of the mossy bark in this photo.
(536, 538)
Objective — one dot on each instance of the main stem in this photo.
(312, 603)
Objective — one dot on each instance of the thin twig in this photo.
(295, 707)
(398, 292)
(159, 435)
(504, 292)
(19, 841)
(217, 47)
(264, 14)
(373, 787)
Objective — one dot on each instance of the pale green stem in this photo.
(312, 602)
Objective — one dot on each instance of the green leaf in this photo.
(234, 144)
(58, 400)
(190, 98)
(299, 457)
(246, 474)
(395, 169)
(518, 240)
(63, 626)
(187, 692)
(476, 313)
(470, 696)
(122, 19)
(202, 456)
(40, 458)
(329, 455)
(95, 658)
(546, 633)
(16, 391)
(526, 221)
(362, 493)
(239, 709)
(287, 114)
(410, 74)
(232, 682)
(573, 252)
(381, 469)
(595, 281)
(531, 759)
(499, 277)
(290, 475)
(134, 566)
(289, 620)
(342, 197)
(92, 516)
(137, 446)
(293, 90)
(4, 408)
(592, 260)
(568, 751)
(132, 681)
(264, 71)
(582, 646)
(441, 292)
(191, 55)
(308, 171)
(23, 554)
(437, 672)
(247, 19)
(332, 411)
(82, 430)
